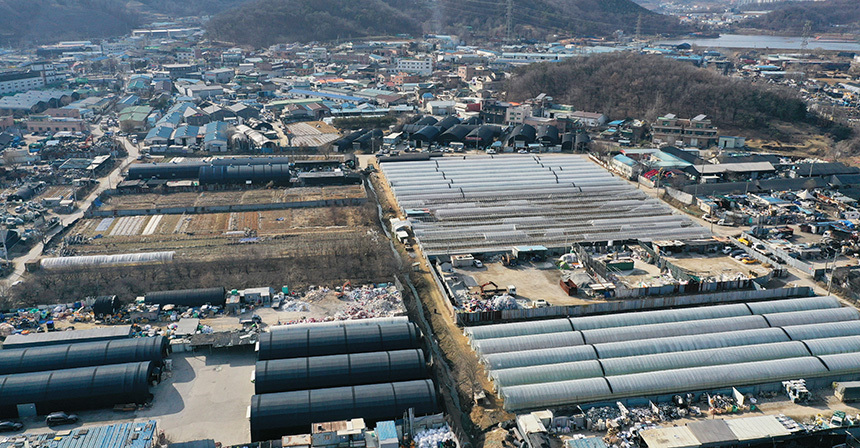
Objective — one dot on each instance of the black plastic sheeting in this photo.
(244, 174)
(275, 415)
(59, 357)
(307, 342)
(188, 297)
(283, 375)
(184, 170)
(73, 389)
(105, 305)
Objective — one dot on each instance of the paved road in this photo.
(105, 182)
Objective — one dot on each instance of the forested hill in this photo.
(264, 22)
(644, 86)
(47, 21)
(828, 16)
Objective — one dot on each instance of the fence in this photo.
(633, 305)
(803, 266)
(680, 196)
(94, 212)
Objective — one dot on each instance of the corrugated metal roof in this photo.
(64, 337)
(712, 431)
(757, 428)
(672, 437)
(121, 435)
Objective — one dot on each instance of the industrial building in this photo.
(475, 205)
(120, 435)
(309, 373)
(641, 356)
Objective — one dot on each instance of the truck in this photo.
(848, 391)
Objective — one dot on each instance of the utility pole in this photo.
(509, 21)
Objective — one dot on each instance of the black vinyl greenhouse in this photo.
(283, 375)
(59, 357)
(275, 415)
(72, 389)
(188, 297)
(311, 341)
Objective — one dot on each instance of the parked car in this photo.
(60, 418)
(478, 263)
(8, 425)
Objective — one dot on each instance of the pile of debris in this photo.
(369, 301)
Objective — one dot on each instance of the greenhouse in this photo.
(310, 341)
(106, 260)
(275, 415)
(550, 200)
(652, 317)
(282, 375)
(622, 356)
(99, 353)
(72, 389)
(188, 297)
(554, 355)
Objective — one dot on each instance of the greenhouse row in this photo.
(549, 200)
(274, 415)
(372, 368)
(628, 355)
(655, 331)
(283, 375)
(651, 317)
(81, 388)
(696, 379)
(311, 341)
(85, 354)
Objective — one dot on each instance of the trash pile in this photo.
(296, 306)
(435, 438)
(369, 301)
(497, 303)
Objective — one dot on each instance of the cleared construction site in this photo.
(492, 204)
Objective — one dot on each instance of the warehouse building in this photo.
(120, 435)
(636, 357)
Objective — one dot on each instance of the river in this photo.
(764, 42)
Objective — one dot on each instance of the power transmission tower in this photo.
(804, 42)
(639, 29)
(509, 21)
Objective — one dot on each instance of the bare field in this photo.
(240, 197)
(212, 235)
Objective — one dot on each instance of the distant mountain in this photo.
(45, 21)
(263, 22)
(831, 16)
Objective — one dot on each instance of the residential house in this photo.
(697, 131)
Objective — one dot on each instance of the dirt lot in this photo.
(715, 266)
(533, 282)
(210, 198)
